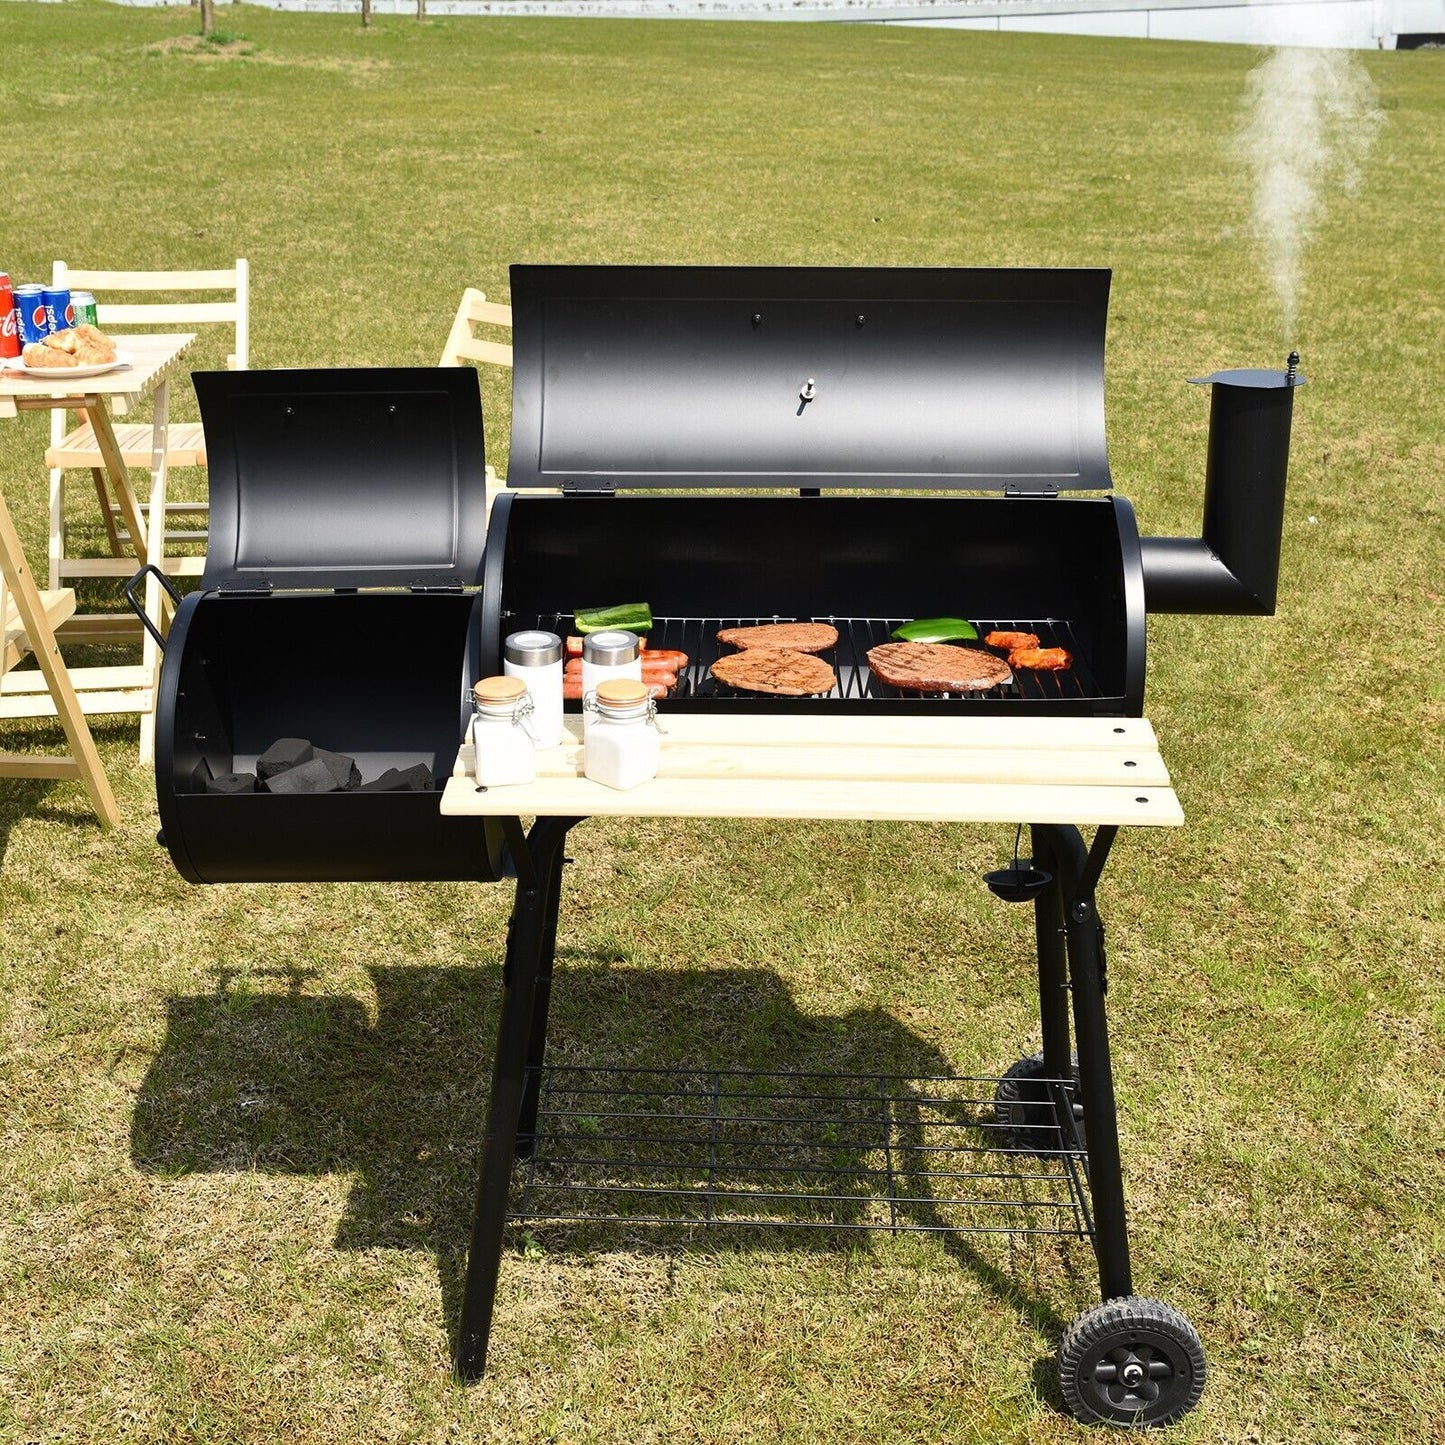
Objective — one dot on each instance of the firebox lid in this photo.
(766, 376)
(363, 477)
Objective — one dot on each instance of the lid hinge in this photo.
(1013, 489)
(245, 589)
(449, 587)
(588, 487)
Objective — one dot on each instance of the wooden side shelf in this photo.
(908, 768)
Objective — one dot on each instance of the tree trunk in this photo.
(208, 17)
(421, 9)
(366, 12)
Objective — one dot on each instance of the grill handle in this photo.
(1234, 566)
(138, 607)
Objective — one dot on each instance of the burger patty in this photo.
(800, 636)
(936, 667)
(781, 670)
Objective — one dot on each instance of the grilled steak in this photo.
(937, 667)
(800, 636)
(781, 670)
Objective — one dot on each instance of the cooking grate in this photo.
(851, 1152)
(697, 637)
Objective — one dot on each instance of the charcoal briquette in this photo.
(232, 783)
(312, 776)
(343, 769)
(283, 754)
(415, 779)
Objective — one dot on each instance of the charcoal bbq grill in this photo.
(739, 445)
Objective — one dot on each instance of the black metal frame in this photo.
(1072, 977)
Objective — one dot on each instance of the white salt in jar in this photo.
(502, 746)
(623, 746)
(607, 655)
(536, 658)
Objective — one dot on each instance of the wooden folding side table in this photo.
(127, 688)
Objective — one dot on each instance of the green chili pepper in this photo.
(626, 617)
(936, 629)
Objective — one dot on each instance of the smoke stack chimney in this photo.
(1234, 566)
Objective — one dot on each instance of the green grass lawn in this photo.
(240, 1125)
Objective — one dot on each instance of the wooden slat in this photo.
(121, 676)
(181, 535)
(172, 566)
(831, 800)
(14, 643)
(100, 627)
(28, 765)
(159, 313)
(91, 704)
(152, 280)
(879, 729)
(477, 350)
(1080, 767)
(1074, 762)
(487, 313)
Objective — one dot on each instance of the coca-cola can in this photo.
(9, 320)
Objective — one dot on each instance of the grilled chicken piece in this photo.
(1041, 659)
(781, 670)
(1011, 641)
(800, 636)
(937, 667)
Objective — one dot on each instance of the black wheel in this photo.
(1024, 1107)
(1131, 1361)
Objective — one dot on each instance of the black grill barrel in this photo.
(348, 515)
(1234, 566)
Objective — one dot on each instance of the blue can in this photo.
(59, 309)
(30, 303)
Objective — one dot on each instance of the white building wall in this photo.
(1330, 24)
(1326, 24)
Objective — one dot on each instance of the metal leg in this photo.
(1053, 963)
(538, 860)
(1078, 871)
(541, 1002)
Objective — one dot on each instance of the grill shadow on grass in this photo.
(848, 1122)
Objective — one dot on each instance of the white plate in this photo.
(67, 373)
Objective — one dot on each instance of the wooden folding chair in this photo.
(225, 301)
(28, 619)
(469, 341)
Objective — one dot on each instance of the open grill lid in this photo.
(344, 478)
(857, 377)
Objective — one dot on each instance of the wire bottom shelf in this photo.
(735, 1148)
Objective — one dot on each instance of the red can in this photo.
(9, 320)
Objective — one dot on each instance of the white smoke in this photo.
(1309, 119)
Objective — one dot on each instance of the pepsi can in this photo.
(84, 304)
(30, 303)
(59, 309)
